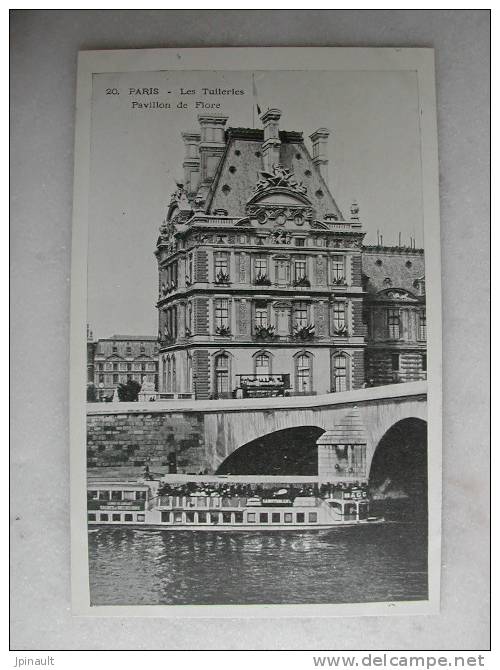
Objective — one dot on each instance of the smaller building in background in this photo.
(394, 313)
(122, 358)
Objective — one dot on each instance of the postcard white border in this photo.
(420, 60)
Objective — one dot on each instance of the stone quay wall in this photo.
(137, 437)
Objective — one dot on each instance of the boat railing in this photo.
(197, 502)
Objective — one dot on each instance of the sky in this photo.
(137, 153)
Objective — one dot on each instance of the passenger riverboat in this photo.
(219, 504)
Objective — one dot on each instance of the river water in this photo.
(386, 562)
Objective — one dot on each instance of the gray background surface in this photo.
(43, 65)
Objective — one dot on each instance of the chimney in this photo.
(191, 162)
(319, 141)
(212, 144)
(271, 145)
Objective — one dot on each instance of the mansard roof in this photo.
(392, 267)
(241, 163)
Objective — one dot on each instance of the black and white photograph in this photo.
(257, 254)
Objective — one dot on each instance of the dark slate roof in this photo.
(249, 163)
(380, 263)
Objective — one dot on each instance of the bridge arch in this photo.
(398, 471)
(289, 451)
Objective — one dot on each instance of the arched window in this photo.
(262, 364)
(303, 373)
(340, 373)
(222, 374)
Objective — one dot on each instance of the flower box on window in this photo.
(223, 331)
(265, 332)
(304, 332)
(303, 281)
(222, 277)
(340, 331)
(339, 281)
(262, 280)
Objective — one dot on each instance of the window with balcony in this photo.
(300, 314)
(303, 373)
(221, 315)
(340, 373)
(221, 267)
(222, 374)
(393, 324)
(422, 326)
(339, 318)
(338, 270)
(261, 316)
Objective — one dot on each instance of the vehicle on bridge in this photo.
(220, 503)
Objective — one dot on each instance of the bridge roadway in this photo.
(203, 433)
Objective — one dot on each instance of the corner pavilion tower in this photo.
(260, 278)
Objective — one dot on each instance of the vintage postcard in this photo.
(256, 333)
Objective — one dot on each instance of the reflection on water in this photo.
(342, 565)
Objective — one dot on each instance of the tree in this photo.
(91, 393)
(129, 392)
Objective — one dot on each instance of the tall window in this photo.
(260, 266)
(303, 368)
(300, 314)
(299, 270)
(222, 313)
(339, 315)
(164, 375)
(393, 322)
(261, 320)
(262, 364)
(339, 373)
(222, 373)
(422, 326)
(189, 372)
(189, 316)
(190, 269)
(221, 266)
(174, 375)
(338, 268)
(169, 376)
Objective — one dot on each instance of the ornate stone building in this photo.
(260, 274)
(394, 284)
(123, 357)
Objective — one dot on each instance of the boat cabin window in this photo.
(129, 517)
(129, 495)
(238, 517)
(103, 517)
(91, 517)
(140, 495)
(165, 517)
(202, 517)
(190, 517)
(263, 517)
(92, 495)
(301, 517)
(313, 517)
(141, 517)
(275, 517)
(226, 517)
(250, 517)
(116, 495)
(177, 517)
(116, 517)
(103, 495)
(288, 517)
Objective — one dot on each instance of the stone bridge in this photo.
(198, 436)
